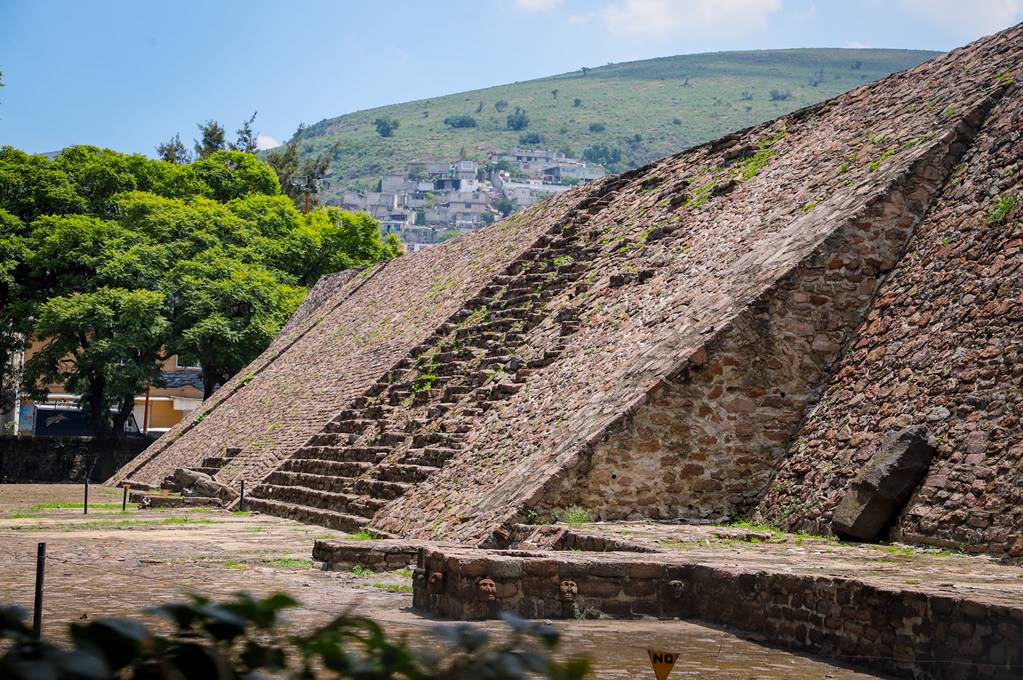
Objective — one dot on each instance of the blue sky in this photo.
(128, 75)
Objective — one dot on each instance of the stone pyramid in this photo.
(735, 329)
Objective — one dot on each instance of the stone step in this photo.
(348, 426)
(344, 454)
(379, 488)
(307, 479)
(391, 438)
(205, 469)
(397, 472)
(325, 467)
(349, 504)
(214, 462)
(434, 456)
(332, 438)
(324, 518)
(427, 438)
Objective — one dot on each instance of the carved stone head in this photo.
(436, 582)
(567, 591)
(486, 590)
(676, 589)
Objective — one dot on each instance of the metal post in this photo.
(85, 504)
(37, 613)
(241, 500)
(124, 499)
(145, 414)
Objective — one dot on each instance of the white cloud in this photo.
(857, 45)
(661, 18)
(969, 19)
(266, 142)
(537, 5)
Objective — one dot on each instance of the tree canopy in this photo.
(117, 261)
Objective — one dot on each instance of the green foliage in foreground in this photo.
(241, 639)
(119, 261)
(671, 102)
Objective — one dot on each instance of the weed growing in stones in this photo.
(575, 516)
(286, 563)
(234, 564)
(393, 587)
(874, 165)
(1003, 206)
(360, 570)
(404, 573)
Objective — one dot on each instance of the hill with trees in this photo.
(620, 115)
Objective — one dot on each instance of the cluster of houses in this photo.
(430, 202)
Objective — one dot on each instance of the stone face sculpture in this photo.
(676, 589)
(436, 582)
(567, 591)
(486, 590)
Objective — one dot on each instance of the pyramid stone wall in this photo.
(942, 348)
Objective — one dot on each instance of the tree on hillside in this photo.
(174, 151)
(246, 140)
(386, 126)
(462, 121)
(285, 161)
(554, 93)
(517, 120)
(212, 139)
(500, 105)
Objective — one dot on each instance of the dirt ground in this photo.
(111, 563)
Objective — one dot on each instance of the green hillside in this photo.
(644, 109)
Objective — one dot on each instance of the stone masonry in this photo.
(726, 330)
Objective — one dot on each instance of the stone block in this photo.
(885, 484)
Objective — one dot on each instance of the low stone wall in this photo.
(901, 631)
(378, 555)
(53, 460)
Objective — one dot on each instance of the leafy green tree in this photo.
(174, 151)
(105, 346)
(517, 120)
(290, 171)
(246, 140)
(227, 312)
(212, 139)
(114, 261)
(463, 121)
(386, 126)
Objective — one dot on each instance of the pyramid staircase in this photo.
(415, 419)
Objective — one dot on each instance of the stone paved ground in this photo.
(897, 566)
(107, 563)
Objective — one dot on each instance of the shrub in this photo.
(780, 95)
(518, 120)
(241, 639)
(575, 516)
(576, 103)
(386, 126)
(602, 154)
(531, 138)
(596, 127)
(1001, 210)
(463, 121)
(500, 105)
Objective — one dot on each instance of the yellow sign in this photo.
(662, 662)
